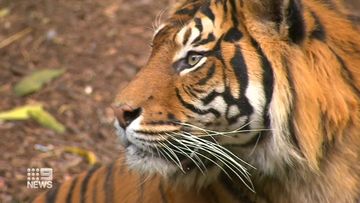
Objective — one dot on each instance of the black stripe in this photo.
(296, 22)
(233, 5)
(327, 144)
(189, 92)
(187, 36)
(71, 190)
(198, 24)
(210, 38)
(346, 74)
(187, 11)
(184, 89)
(233, 35)
(109, 184)
(268, 81)
(293, 99)
(208, 76)
(152, 133)
(234, 13)
(233, 189)
(160, 122)
(210, 97)
(206, 10)
(217, 52)
(240, 69)
(241, 73)
(194, 109)
(225, 9)
(199, 91)
(85, 182)
(244, 107)
(95, 192)
(197, 39)
(319, 31)
(51, 195)
(162, 193)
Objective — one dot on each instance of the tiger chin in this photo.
(252, 100)
(184, 173)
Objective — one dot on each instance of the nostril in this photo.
(125, 114)
(130, 116)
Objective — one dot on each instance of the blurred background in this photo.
(98, 46)
(85, 51)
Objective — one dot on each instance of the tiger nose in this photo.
(126, 114)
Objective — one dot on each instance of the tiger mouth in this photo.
(169, 153)
(185, 154)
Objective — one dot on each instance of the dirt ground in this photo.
(101, 44)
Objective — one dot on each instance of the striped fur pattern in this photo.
(116, 183)
(255, 100)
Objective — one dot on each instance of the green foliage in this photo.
(36, 80)
(35, 112)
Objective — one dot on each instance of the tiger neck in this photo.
(337, 181)
(313, 152)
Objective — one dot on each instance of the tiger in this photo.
(240, 101)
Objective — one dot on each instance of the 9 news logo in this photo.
(39, 178)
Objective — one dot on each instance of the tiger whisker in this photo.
(226, 160)
(209, 159)
(162, 12)
(214, 162)
(162, 155)
(216, 144)
(230, 133)
(184, 153)
(173, 157)
(189, 140)
(213, 131)
(158, 18)
(144, 180)
(218, 148)
(208, 151)
(256, 143)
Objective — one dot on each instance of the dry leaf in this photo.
(47, 120)
(35, 112)
(36, 80)
(88, 155)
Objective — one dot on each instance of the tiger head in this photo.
(229, 87)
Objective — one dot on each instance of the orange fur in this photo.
(311, 152)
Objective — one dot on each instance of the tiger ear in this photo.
(284, 17)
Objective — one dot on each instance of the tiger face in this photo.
(203, 88)
(217, 95)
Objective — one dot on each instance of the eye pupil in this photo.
(194, 59)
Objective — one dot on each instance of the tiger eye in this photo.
(193, 59)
